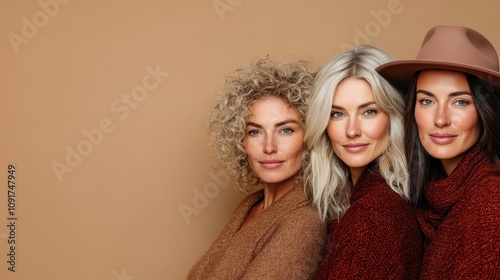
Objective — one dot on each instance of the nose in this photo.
(353, 129)
(270, 146)
(442, 119)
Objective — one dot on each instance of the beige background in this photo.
(71, 68)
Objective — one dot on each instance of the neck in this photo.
(450, 164)
(275, 191)
(355, 173)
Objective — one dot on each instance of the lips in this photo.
(271, 164)
(442, 138)
(355, 147)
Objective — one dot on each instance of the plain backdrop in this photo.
(103, 114)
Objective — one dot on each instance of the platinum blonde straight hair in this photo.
(327, 175)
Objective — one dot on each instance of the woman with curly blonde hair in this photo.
(257, 128)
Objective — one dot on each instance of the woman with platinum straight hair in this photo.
(358, 172)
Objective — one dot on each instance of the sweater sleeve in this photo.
(292, 250)
(380, 240)
(478, 256)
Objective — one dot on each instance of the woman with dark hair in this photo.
(258, 133)
(452, 122)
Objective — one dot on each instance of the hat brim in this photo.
(401, 72)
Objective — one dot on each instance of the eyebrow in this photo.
(276, 124)
(359, 107)
(455, 93)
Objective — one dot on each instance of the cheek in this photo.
(421, 118)
(293, 146)
(249, 147)
(470, 123)
(469, 120)
(333, 132)
(296, 150)
(378, 129)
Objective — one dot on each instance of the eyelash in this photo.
(427, 102)
(255, 132)
(337, 114)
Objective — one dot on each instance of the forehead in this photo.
(437, 81)
(353, 91)
(272, 105)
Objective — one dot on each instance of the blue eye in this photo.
(253, 132)
(425, 102)
(370, 112)
(462, 102)
(336, 114)
(287, 130)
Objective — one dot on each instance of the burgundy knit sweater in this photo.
(461, 222)
(376, 238)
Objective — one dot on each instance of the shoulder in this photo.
(481, 200)
(483, 177)
(490, 180)
(306, 213)
(299, 217)
(485, 190)
(305, 217)
(296, 207)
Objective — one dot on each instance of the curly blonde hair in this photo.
(290, 81)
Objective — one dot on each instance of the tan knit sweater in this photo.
(284, 242)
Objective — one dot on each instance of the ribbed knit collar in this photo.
(441, 195)
(368, 177)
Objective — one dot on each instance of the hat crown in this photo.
(458, 44)
(454, 48)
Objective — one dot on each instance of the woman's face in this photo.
(358, 128)
(273, 141)
(446, 116)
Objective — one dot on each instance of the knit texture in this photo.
(461, 222)
(286, 241)
(376, 238)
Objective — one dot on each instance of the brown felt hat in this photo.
(455, 48)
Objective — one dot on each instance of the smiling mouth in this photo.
(271, 164)
(442, 138)
(355, 148)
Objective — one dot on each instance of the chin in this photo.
(273, 180)
(357, 164)
(442, 153)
